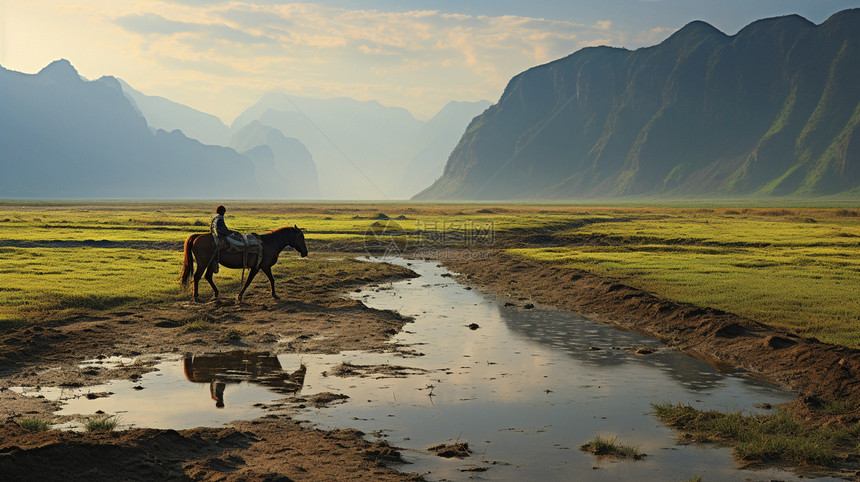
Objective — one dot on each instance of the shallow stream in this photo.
(525, 388)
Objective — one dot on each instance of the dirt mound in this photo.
(458, 449)
(277, 449)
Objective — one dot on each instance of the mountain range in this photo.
(64, 136)
(773, 110)
(363, 149)
(358, 149)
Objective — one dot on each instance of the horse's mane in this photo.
(280, 232)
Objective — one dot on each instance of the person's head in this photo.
(221, 209)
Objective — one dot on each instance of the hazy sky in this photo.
(220, 56)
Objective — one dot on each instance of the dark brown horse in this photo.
(202, 247)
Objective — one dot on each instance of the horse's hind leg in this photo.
(198, 273)
(208, 276)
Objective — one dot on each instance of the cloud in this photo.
(153, 24)
(377, 53)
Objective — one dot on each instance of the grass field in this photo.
(796, 268)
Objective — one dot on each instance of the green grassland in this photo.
(172, 222)
(796, 268)
(53, 265)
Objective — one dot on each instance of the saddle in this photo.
(251, 247)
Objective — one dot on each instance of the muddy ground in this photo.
(319, 319)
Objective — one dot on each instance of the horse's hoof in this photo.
(276, 297)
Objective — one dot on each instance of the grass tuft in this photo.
(768, 438)
(608, 447)
(198, 325)
(105, 423)
(33, 424)
(231, 335)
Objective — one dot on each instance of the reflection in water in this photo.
(216, 391)
(219, 369)
(526, 388)
(177, 393)
(600, 345)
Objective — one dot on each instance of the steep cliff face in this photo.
(772, 110)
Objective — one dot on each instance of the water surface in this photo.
(527, 388)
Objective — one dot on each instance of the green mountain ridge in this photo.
(773, 110)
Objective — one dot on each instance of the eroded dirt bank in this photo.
(311, 317)
(820, 372)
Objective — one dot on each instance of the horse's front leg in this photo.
(268, 272)
(251, 274)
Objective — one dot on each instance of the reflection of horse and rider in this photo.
(222, 246)
(219, 369)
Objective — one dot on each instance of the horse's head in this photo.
(299, 242)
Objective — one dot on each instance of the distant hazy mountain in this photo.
(65, 137)
(772, 110)
(436, 139)
(363, 149)
(161, 113)
(284, 164)
(360, 148)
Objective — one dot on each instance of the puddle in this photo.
(206, 390)
(525, 388)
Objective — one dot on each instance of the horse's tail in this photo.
(188, 261)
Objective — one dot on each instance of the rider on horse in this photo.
(223, 235)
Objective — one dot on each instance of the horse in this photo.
(201, 247)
